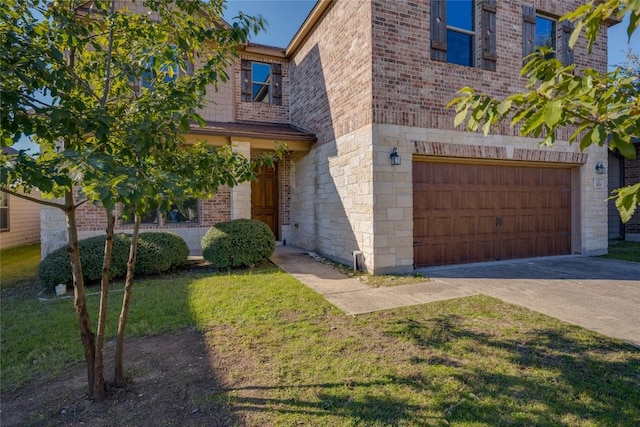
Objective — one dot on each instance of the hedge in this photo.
(238, 243)
(157, 253)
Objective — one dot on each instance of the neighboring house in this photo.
(623, 172)
(19, 218)
(364, 79)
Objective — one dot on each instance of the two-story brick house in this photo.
(364, 79)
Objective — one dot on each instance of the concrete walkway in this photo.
(598, 294)
(351, 295)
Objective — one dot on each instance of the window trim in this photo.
(473, 33)
(267, 84)
(5, 209)
(554, 32)
(484, 48)
(246, 82)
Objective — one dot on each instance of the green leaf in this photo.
(553, 112)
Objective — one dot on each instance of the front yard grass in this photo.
(288, 357)
(625, 251)
(19, 265)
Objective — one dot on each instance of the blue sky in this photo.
(286, 16)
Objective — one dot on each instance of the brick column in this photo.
(241, 193)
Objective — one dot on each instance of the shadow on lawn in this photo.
(550, 377)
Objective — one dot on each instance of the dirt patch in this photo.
(173, 383)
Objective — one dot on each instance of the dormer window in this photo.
(261, 82)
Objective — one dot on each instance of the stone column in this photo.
(241, 193)
(53, 230)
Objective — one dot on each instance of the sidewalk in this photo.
(352, 296)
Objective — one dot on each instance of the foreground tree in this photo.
(107, 94)
(603, 108)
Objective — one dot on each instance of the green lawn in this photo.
(471, 362)
(626, 251)
(18, 265)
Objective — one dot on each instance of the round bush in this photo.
(157, 253)
(160, 252)
(55, 268)
(238, 243)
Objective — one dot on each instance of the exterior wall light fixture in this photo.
(395, 157)
(600, 168)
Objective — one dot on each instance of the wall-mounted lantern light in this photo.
(600, 169)
(395, 157)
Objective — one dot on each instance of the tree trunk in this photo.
(118, 377)
(79, 298)
(100, 388)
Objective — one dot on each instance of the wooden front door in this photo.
(480, 212)
(264, 197)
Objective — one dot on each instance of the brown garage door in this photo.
(481, 212)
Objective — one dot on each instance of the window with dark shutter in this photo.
(528, 30)
(567, 52)
(276, 93)
(461, 32)
(245, 77)
(261, 82)
(439, 30)
(488, 21)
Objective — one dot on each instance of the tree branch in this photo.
(107, 77)
(33, 199)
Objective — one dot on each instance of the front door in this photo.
(264, 197)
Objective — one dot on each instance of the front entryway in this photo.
(264, 197)
(467, 212)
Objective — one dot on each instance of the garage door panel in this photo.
(474, 212)
(464, 226)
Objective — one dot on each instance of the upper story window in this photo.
(461, 32)
(545, 34)
(541, 31)
(459, 28)
(166, 73)
(261, 82)
(4, 211)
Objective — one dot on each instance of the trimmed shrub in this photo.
(160, 252)
(157, 253)
(238, 243)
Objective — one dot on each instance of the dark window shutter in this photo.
(528, 30)
(567, 52)
(245, 77)
(276, 91)
(489, 52)
(439, 30)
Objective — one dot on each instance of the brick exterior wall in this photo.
(631, 177)
(211, 212)
(331, 72)
(410, 89)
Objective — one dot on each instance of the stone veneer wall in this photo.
(332, 198)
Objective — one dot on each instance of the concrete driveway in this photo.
(598, 294)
